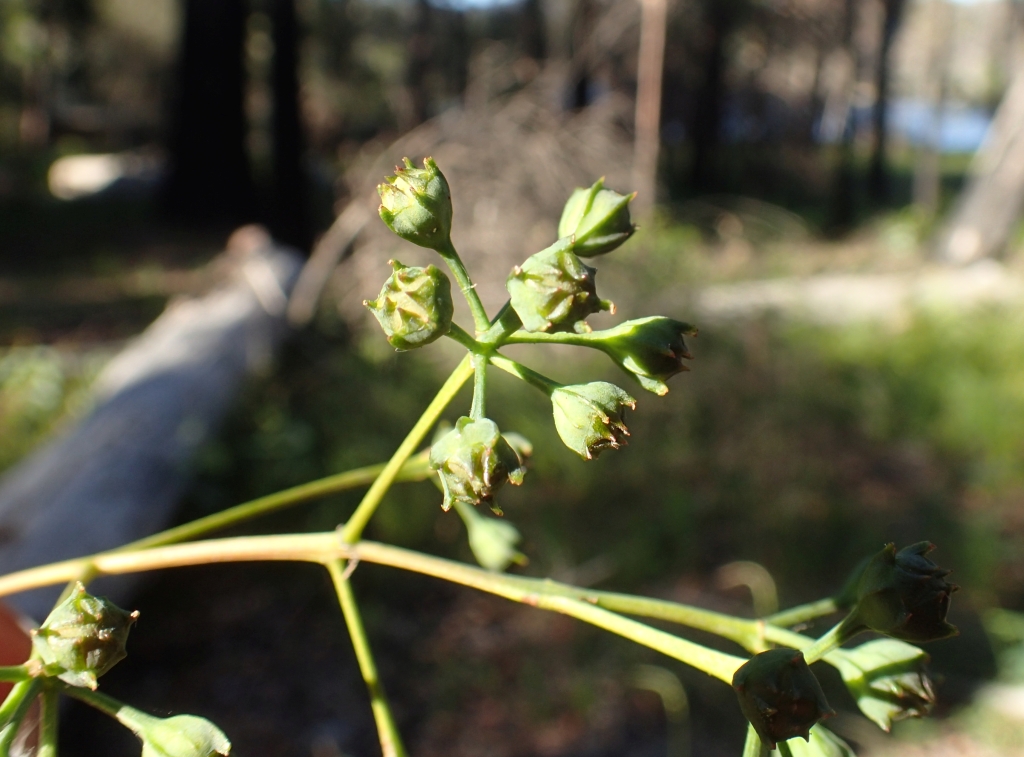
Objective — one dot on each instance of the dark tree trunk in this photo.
(707, 116)
(209, 178)
(533, 41)
(289, 220)
(878, 178)
(843, 200)
(418, 66)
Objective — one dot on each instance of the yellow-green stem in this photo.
(803, 613)
(753, 746)
(458, 268)
(387, 731)
(48, 723)
(353, 529)
(478, 410)
(414, 469)
(13, 711)
(531, 377)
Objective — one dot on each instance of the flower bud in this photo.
(178, 736)
(554, 291)
(596, 219)
(473, 461)
(779, 695)
(652, 349)
(589, 417)
(903, 595)
(889, 679)
(493, 541)
(82, 638)
(416, 204)
(415, 306)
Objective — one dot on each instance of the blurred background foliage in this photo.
(799, 139)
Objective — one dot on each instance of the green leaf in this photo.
(888, 678)
(823, 743)
(178, 736)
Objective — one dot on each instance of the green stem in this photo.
(353, 529)
(13, 673)
(825, 644)
(105, 704)
(506, 322)
(387, 731)
(414, 469)
(478, 410)
(753, 746)
(463, 337)
(590, 339)
(48, 723)
(803, 613)
(531, 377)
(476, 307)
(13, 711)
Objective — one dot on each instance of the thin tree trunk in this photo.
(878, 178)
(707, 121)
(653, 21)
(289, 218)
(927, 170)
(209, 178)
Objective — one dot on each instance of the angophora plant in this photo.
(901, 595)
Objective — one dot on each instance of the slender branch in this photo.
(479, 407)
(414, 469)
(105, 704)
(48, 723)
(556, 337)
(476, 307)
(506, 322)
(803, 613)
(531, 377)
(830, 641)
(353, 529)
(387, 731)
(463, 337)
(753, 746)
(11, 673)
(13, 711)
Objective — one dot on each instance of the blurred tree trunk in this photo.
(878, 178)
(417, 68)
(647, 136)
(532, 33)
(707, 112)
(289, 222)
(209, 178)
(927, 169)
(840, 110)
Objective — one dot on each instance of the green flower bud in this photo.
(415, 306)
(596, 219)
(589, 417)
(178, 736)
(493, 541)
(779, 695)
(889, 679)
(823, 743)
(416, 204)
(82, 638)
(554, 291)
(473, 461)
(903, 595)
(652, 349)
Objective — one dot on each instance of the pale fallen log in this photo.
(118, 474)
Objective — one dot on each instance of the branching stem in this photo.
(458, 269)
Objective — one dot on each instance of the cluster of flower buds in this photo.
(780, 696)
(474, 461)
(555, 291)
(416, 204)
(903, 595)
(415, 306)
(82, 638)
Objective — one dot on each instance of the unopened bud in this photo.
(590, 417)
(178, 736)
(555, 291)
(416, 204)
(414, 307)
(903, 595)
(651, 349)
(493, 541)
(473, 461)
(596, 219)
(889, 679)
(82, 638)
(779, 695)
